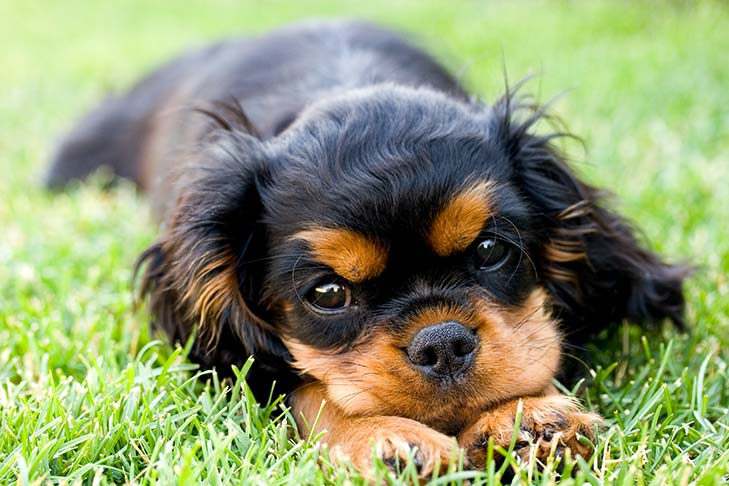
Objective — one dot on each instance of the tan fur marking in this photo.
(577, 210)
(563, 251)
(352, 438)
(567, 244)
(459, 223)
(518, 355)
(440, 313)
(350, 254)
(562, 275)
(547, 423)
(214, 288)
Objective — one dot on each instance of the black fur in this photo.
(618, 278)
(348, 125)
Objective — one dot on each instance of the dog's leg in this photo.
(353, 439)
(549, 424)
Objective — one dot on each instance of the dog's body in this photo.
(372, 236)
(146, 132)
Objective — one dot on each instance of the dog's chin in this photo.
(518, 356)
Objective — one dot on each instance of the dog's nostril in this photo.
(429, 357)
(443, 349)
(464, 347)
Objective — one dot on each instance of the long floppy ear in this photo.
(204, 274)
(591, 261)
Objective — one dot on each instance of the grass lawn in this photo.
(87, 395)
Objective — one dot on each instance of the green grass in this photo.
(87, 396)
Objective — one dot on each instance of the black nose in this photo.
(444, 349)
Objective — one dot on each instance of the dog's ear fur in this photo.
(591, 262)
(203, 276)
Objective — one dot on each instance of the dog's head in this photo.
(417, 255)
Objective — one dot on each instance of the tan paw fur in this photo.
(550, 425)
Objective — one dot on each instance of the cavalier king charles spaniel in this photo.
(334, 204)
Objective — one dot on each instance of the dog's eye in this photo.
(491, 253)
(329, 297)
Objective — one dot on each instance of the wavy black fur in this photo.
(347, 125)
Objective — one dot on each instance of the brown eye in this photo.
(490, 253)
(329, 297)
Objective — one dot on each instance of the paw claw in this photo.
(548, 434)
(550, 426)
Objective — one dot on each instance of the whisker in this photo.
(579, 360)
(528, 337)
(293, 280)
(520, 245)
(348, 398)
(526, 319)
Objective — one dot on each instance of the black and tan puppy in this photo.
(373, 236)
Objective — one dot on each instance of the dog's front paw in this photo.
(395, 441)
(549, 426)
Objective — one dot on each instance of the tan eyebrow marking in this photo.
(458, 224)
(350, 254)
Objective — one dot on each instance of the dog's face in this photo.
(400, 271)
(418, 256)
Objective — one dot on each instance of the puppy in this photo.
(375, 238)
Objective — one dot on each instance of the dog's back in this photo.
(142, 134)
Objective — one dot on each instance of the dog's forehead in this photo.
(395, 199)
(397, 166)
(357, 233)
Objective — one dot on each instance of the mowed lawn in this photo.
(87, 395)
